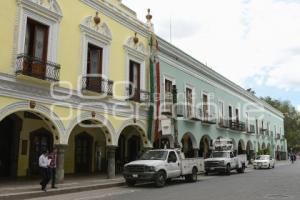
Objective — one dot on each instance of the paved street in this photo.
(279, 183)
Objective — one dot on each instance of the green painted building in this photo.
(209, 106)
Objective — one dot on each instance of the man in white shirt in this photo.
(43, 164)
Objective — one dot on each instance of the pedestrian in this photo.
(52, 167)
(43, 164)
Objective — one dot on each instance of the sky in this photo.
(254, 43)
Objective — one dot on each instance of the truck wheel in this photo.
(241, 170)
(130, 183)
(228, 170)
(192, 177)
(160, 179)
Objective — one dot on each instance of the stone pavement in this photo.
(23, 189)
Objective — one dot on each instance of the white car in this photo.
(264, 161)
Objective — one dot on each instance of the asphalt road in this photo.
(283, 182)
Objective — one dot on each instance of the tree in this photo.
(291, 121)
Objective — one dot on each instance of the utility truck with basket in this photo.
(223, 158)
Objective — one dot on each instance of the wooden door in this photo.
(134, 79)
(189, 101)
(36, 46)
(83, 153)
(94, 68)
(40, 140)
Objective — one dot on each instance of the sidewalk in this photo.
(23, 189)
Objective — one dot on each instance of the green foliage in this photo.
(291, 121)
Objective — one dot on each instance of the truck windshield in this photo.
(154, 155)
(219, 154)
(262, 158)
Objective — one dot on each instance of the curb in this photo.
(34, 194)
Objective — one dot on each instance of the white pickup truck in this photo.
(162, 165)
(225, 161)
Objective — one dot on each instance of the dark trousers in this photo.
(52, 176)
(45, 177)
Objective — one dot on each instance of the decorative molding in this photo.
(118, 15)
(104, 123)
(11, 87)
(100, 31)
(44, 111)
(98, 35)
(136, 48)
(137, 53)
(45, 12)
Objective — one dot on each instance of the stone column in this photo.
(196, 153)
(60, 165)
(111, 165)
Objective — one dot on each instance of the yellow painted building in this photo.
(74, 75)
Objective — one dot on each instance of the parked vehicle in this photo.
(162, 165)
(222, 159)
(264, 161)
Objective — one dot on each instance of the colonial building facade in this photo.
(209, 107)
(75, 76)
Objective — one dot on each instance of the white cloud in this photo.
(298, 108)
(241, 39)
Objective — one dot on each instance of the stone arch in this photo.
(102, 122)
(188, 144)
(47, 115)
(241, 147)
(250, 150)
(204, 146)
(141, 128)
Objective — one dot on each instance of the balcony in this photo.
(167, 105)
(277, 136)
(98, 85)
(37, 68)
(193, 113)
(237, 126)
(208, 117)
(263, 131)
(137, 95)
(251, 129)
(223, 123)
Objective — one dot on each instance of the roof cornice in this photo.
(118, 15)
(182, 57)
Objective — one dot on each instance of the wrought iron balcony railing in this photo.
(97, 84)
(223, 123)
(208, 117)
(37, 68)
(193, 113)
(251, 128)
(137, 95)
(237, 126)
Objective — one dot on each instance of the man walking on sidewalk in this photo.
(43, 164)
(52, 167)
